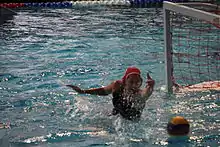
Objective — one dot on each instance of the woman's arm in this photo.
(148, 90)
(102, 91)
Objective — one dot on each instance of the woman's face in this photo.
(133, 82)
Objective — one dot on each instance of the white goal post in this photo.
(204, 12)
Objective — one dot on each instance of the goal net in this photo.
(192, 44)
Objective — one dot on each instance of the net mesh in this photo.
(195, 50)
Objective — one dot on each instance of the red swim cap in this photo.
(130, 71)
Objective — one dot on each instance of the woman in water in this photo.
(128, 98)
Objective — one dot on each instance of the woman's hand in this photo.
(150, 82)
(76, 88)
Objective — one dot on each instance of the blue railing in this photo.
(69, 4)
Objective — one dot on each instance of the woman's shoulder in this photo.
(117, 85)
(118, 82)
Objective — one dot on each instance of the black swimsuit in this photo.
(124, 107)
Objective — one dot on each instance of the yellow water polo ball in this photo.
(178, 126)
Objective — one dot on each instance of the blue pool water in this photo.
(41, 50)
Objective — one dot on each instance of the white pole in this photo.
(168, 47)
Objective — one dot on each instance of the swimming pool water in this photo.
(41, 50)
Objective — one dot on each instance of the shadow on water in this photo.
(5, 15)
